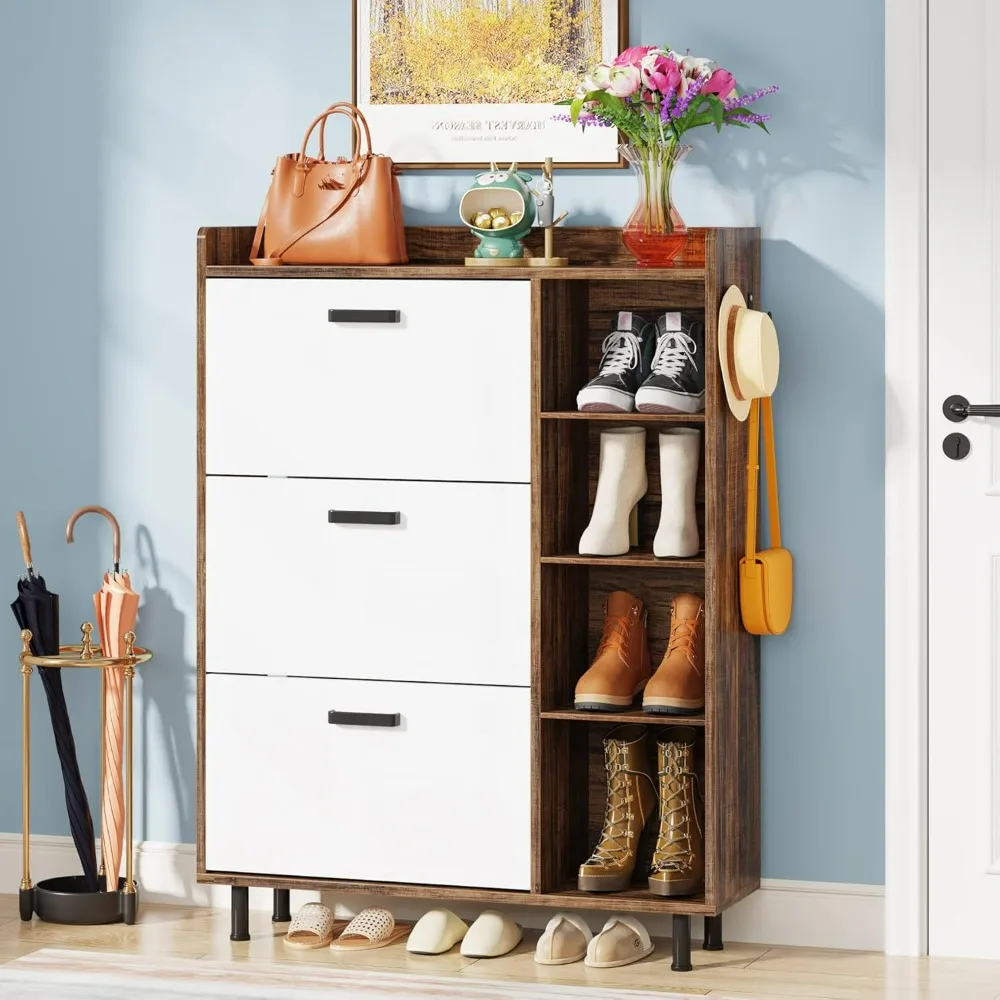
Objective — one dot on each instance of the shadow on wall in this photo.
(817, 679)
(167, 693)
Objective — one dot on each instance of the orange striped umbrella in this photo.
(116, 606)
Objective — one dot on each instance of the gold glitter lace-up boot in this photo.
(631, 803)
(678, 866)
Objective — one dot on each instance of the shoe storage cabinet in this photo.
(422, 742)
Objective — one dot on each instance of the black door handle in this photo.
(957, 408)
(363, 315)
(363, 516)
(388, 720)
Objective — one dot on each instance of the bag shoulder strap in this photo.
(757, 408)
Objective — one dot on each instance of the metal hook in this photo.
(104, 512)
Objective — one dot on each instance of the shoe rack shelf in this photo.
(571, 312)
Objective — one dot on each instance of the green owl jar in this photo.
(500, 209)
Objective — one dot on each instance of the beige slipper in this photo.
(313, 927)
(491, 936)
(622, 941)
(564, 940)
(373, 927)
(436, 932)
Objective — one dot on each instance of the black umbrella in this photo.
(38, 610)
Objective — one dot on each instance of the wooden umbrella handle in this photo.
(22, 530)
(104, 512)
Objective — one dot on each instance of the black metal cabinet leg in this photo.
(281, 913)
(26, 903)
(682, 943)
(713, 933)
(241, 914)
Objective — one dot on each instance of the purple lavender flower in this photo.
(742, 102)
(749, 118)
(694, 89)
(668, 100)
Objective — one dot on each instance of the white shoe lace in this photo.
(673, 350)
(619, 352)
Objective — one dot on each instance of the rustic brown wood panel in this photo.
(657, 419)
(569, 714)
(207, 248)
(732, 772)
(634, 901)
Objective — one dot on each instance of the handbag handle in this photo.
(358, 122)
(758, 407)
(354, 112)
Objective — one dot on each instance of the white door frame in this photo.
(906, 581)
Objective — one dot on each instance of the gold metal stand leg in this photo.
(26, 894)
(129, 901)
(104, 687)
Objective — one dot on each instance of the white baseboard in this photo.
(809, 914)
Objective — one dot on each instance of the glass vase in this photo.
(655, 233)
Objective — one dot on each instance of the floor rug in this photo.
(56, 974)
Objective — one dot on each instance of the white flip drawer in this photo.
(443, 595)
(440, 797)
(444, 393)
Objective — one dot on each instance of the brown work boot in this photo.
(678, 686)
(621, 667)
(678, 866)
(631, 803)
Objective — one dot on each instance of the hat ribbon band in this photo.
(734, 378)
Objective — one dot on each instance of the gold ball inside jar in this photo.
(501, 222)
(483, 220)
(496, 212)
(516, 217)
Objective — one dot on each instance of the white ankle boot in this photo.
(621, 484)
(677, 535)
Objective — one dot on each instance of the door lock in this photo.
(957, 408)
(956, 446)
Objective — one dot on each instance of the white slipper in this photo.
(373, 927)
(564, 940)
(313, 927)
(491, 936)
(436, 932)
(622, 941)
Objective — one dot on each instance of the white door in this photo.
(964, 493)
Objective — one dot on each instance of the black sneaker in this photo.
(626, 359)
(677, 382)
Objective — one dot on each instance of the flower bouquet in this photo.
(653, 96)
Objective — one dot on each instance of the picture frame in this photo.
(426, 134)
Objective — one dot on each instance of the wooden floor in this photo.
(748, 972)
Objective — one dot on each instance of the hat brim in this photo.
(732, 299)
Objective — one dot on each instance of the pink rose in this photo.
(625, 81)
(660, 73)
(633, 56)
(721, 82)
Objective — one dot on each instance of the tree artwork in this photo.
(481, 51)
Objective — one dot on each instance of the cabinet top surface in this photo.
(582, 272)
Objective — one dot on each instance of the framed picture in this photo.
(459, 83)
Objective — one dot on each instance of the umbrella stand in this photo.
(65, 899)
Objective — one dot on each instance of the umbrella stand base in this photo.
(26, 903)
(65, 900)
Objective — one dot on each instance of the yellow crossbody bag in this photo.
(765, 577)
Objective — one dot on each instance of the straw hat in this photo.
(748, 352)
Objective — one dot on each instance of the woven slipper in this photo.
(622, 941)
(313, 927)
(373, 927)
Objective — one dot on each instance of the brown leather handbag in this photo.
(332, 212)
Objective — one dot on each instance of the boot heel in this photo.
(633, 527)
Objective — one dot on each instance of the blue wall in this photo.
(128, 125)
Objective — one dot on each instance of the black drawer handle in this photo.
(388, 720)
(363, 315)
(363, 516)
